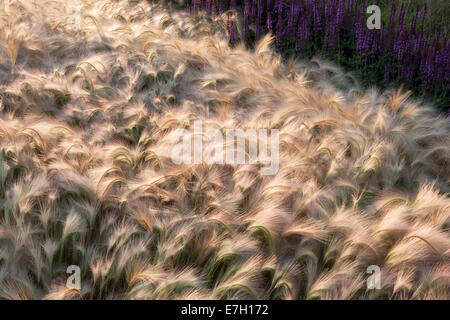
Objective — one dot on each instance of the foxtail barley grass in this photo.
(86, 176)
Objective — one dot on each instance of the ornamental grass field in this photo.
(88, 108)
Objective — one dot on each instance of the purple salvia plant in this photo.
(291, 16)
(258, 18)
(367, 40)
(232, 34)
(280, 7)
(207, 6)
(438, 61)
(233, 4)
(410, 72)
(253, 11)
(424, 15)
(297, 9)
(359, 34)
(351, 5)
(337, 22)
(437, 40)
(400, 46)
(340, 11)
(424, 68)
(417, 55)
(386, 76)
(417, 44)
(430, 66)
(305, 31)
(317, 18)
(269, 22)
(382, 35)
(195, 5)
(374, 47)
(246, 15)
(278, 33)
(298, 36)
(401, 19)
(213, 8)
(402, 49)
(363, 8)
(391, 22)
(230, 27)
(412, 26)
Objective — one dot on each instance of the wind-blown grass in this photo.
(86, 177)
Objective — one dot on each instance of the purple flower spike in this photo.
(269, 22)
